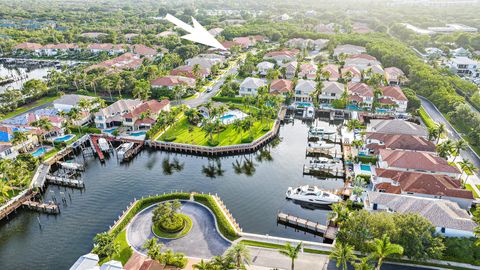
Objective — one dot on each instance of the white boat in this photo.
(103, 144)
(312, 194)
(123, 148)
(322, 131)
(325, 162)
(309, 112)
(321, 145)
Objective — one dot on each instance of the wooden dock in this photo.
(133, 151)
(333, 153)
(63, 181)
(328, 232)
(317, 170)
(337, 139)
(48, 208)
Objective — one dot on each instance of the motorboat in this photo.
(103, 144)
(312, 194)
(309, 112)
(123, 148)
(322, 162)
(321, 145)
(321, 131)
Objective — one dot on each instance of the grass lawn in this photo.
(27, 107)
(184, 132)
(188, 226)
(277, 246)
(124, 250)
(469, 187)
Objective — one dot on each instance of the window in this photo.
(442, 230)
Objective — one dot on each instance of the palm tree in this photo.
(19, 138)
(237, 126)
(222, 262)
(342, 254)
(441, 131)
(292, 252)
(432, 133)
(458, 146)
(153, 248)
(339, 214)
(363, 264)
(107, 85)
(468, 167)
(196, 69)
(240, 254)
(383, 248)
(45, 125)
(445, 149)
(353, 124)
(202, 265)
(74, 115)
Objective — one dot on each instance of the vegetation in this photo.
(16, 175)
(169, 258)
(427, 120)
(291, 252)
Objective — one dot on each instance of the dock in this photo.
(71, 166)
(48, 208)
(133, 151)
(316, 170)
(333, 153)
(63, 181)
(337, 139)
(328, 231)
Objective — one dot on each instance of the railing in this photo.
(15, 202)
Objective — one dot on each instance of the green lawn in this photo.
(184, 132)
(469, 187)
(27, 107)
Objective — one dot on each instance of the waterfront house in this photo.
(465, 67)
(109, 48)
(376, 141)
(394, 76)
(307, 71)
(145, 114)
(112, 115)
(170, 82)
(396, 126)
(250, 86)
(86, 262)
(112, 265)
(415, 161)
(61, 48)
(437, 186)
(304, 90)
(126, 61)
(360, 95)
(264, 67)
(281, 87)
(331, 91)
(28, 47)
(187, 71)
(393, 96)
(348, 49)
(446, 216)
(352, 74)
(333, 72)
(282, 56)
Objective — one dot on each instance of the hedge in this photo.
(366, 159)
(228, 99)
(427, 120)
(223, 225)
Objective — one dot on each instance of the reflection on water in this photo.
(38, 73)
(252, 186)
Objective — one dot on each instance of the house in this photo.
(422, 185)
(112, 115)
(250, 86)
(166, 34)
(206, 60)
(215, 31)
(361, 28)
(86, 262)
(394, 76)
(66, 102)
(415, 161)
(332, 70)
(145, 114)
(281, 87)
(7, 151)
(446, 216)
(112, 265)
(460, 52)
(360, 94)
(143, 50)
(304, 90)
(93, 35)
(376, 141)
(187, 71)
(331, 91)
(291, 69)
(325, 28)
(434, 52)
(7, 134)
(228, 44)
(307, 71)
(396, 126)
(28, 47)
(264, 67)
(465, 67)
(348, 49)
(282, 56)
(54, 49)
(171, 81)
(361, 61)
(126, 61)
(300, 43)
(351, 74)
(245, 42)
(109, 48)
(393, 96)
(319, 44)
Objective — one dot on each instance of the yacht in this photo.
(123, 148)
(312, 194)
(309, 112)
(103, 144)
(321, 145)
(322, 131)
(325, 162)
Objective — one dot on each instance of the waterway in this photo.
(37, 73)
(253, 194)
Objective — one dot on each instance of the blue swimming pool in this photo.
(353, 108)
(227, 117)
(65, 138)
(110, 130)
(39, 152)
(365, 168)
(382, 110)
(303, 104)
(138, 133)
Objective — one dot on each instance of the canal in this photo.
(34, 73)
(253, 188)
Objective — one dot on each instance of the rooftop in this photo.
(396, 126)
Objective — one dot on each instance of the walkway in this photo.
(203, 240)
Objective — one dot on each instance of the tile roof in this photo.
(424, 183)
(122, 62)
(28, 46)
(118, 107)
(360, 89)
(416, 161)
(281, 86)
(356, 73)
(143, 50)
(393, 73)
(332, 69)
(152, 105)
(442, 213)
(396, 126)
(187, 71)
(394, 92)
(400, 141)
(173, 81)
(253, 83)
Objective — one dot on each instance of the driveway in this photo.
(203, 240)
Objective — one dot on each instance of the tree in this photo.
(363, 264)
(383, 248)
(459, 146)
(196, 69)
(342, 254)
(339, 214)
(353, 124)
(153, 248)
(142, 90)
(445, 148)
(45, 125)
(433, 133)
(104, 245)
(441, 131)
(239, 254)
(468, 167)
(19, 138)
(291, 252)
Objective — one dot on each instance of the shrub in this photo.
(461, 250)
(212, 143)
(228, 99)
(366, 159)
(170, 138)
(248, 139)
(223, 224)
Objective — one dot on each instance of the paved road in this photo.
(203, 240)
(437, 116)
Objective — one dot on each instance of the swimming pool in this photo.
(230, 116)
(110, 130)
(303, 104)
(365, 168)
(382, 110)
(354, 108)
(65, 138)
(39, 152)
(138, 133)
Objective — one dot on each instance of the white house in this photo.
(331, 91)
(264, 67)
(249, 86)
(112, 115)
(348, 49)
(465, 67)
(66, 102)
(304, 89)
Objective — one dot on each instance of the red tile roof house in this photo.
(245, 42)
(281, 87)
(360, 94)
(107, 47)
(333, 72)
(352, 73)
(28, 47)
(394, 76)
(143, 50)
(415, 161)
(436, 186)
(394, 96)
(126, 61)
(308, 71)
(145, 115)
(54, 49)
(187, 71)
(376, 141)
(171, 81)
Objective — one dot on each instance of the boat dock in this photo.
(71, 166)
(63, 181)
(48, 208)
(133, 151)
(316, 170)
(333, 153)
(328, 231)
(337, 139)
